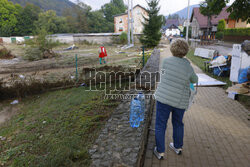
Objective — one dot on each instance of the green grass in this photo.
(54, 129)
(198, 61)
(244, 100)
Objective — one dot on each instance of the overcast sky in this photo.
(167, 6)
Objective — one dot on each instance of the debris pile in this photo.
(5, 53)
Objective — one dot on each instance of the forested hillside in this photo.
(57, 5)
(23, 18)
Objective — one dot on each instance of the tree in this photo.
(78, 18)
(151, 32)
(82, 17)
(163, 19)
(240, 9)
(56, 5)
(221, 25)
(109, 11)
(173, 16)
(113, 8)
(189, 31)
(26, 19)
(40, 47)
(8, 17)
(220, 29)
(119, 4)
(210, 8)
(51, 23)
(98, 23)
(123, 38)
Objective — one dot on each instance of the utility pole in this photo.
(187, 21)
(128, 22)
(132, 23)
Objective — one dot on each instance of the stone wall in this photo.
(95, 38)
(118, 144)
(150, 73)
(100, 38)
(64, 39)
(8, 40)
(103, 38)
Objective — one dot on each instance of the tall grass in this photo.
(55, 129)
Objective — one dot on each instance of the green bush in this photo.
(45, 44)
(33, 54)
(40, 47)
(221, 25)
(219, 35)
(3, 52)
(123, 38)
(189, 31)
(237, 31)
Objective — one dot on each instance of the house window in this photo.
(138, 12)
(120, 20)
(120, 28)
(227, 21)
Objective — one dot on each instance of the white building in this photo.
(121, 20)
(172, 30)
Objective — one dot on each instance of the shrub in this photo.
(41, 47)
(219, 35)
(44, 43)
(33, 54)
(237, 31)
(189, 32)
(5, 53)
(123, 38)
(115, 39)
(221, 25)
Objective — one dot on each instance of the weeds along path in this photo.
(44, 67)
(6, 112)
(22, 84)
(87, 56)
(54, 128)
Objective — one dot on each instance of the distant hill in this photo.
(183, 13)
(57, 5)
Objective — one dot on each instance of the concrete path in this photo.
(217, 133)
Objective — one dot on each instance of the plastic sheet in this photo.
(243, 75)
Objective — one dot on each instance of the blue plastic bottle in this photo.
(141, 98)
(134, 117)
(192, 86)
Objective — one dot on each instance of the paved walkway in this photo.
(217, 133)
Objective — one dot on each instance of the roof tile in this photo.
(202, 20)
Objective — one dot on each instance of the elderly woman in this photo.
(172, 96)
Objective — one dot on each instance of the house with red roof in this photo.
(199, 22)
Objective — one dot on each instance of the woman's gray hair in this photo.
(179, 48)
